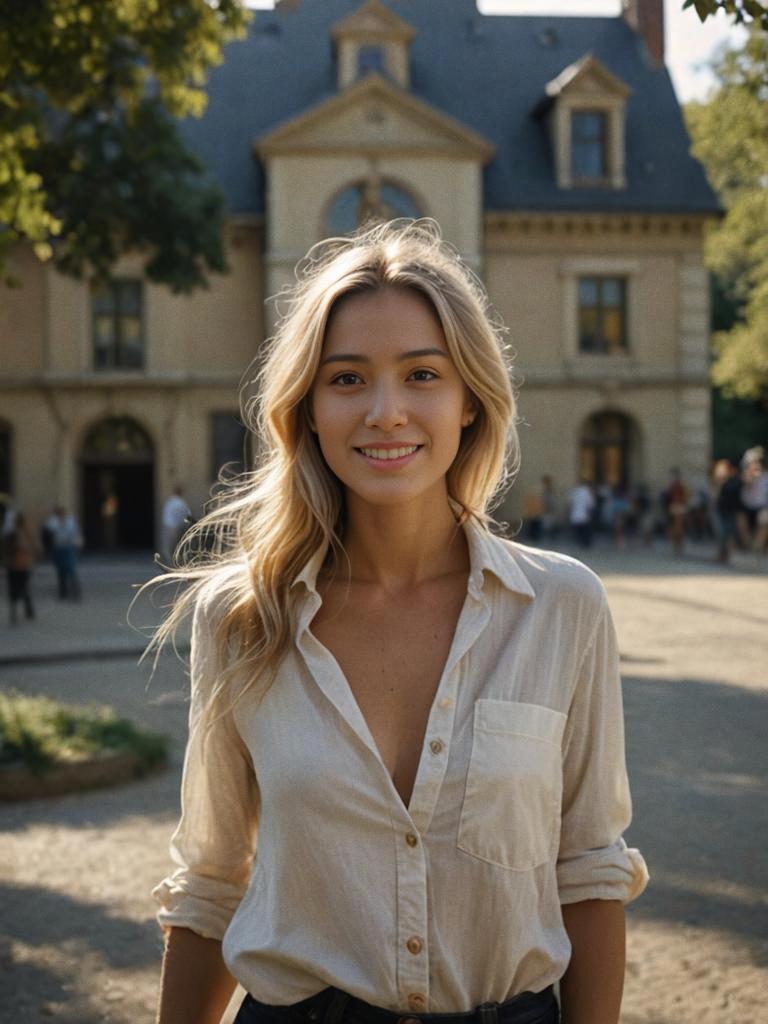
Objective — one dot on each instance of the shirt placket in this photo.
(412, 825)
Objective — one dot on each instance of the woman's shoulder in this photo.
(554, 575)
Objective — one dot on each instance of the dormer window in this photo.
(584, 109)
(370, 58)
(589, 145)
(372, 40)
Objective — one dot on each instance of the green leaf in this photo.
(78, 80)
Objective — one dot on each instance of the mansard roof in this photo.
(488, 72)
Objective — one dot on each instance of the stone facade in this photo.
(96, 439)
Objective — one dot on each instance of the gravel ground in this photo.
(78, 941)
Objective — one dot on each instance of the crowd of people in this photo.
(58, 539)
(731, 508)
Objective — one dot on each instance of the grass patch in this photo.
(40, 733)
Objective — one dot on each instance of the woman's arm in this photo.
(195, 987)
(591, 988)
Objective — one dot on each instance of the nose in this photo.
(386, 410)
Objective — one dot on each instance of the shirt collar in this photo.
(487, 553)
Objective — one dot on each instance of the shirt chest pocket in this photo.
(511, 810)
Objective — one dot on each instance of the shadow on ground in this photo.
(31, 991)
(698, 766)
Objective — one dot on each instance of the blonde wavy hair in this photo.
(243, 555)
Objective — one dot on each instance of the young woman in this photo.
(404, 789)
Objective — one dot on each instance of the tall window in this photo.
(227, 444)
(118, 329)
(603, 315)
(589, 150)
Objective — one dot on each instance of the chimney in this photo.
(647, 19)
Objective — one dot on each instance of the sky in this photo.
(689, 43)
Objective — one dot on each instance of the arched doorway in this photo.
(118, 486)
(608, 450)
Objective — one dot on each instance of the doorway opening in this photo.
(608, 450)
(118, 486)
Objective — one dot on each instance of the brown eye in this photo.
(346, 379)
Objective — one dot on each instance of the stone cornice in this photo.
(590, 224)
(623, 376)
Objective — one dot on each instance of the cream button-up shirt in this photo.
(295, 847)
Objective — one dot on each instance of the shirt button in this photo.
(411, 839)
(413, 945)
(436, 746)
(445, 703)
(417, 1000)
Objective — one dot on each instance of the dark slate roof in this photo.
(489, 71)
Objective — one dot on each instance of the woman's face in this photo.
(387, 404)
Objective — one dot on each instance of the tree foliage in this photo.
(743, 12)
(91, 161)
(730, 137)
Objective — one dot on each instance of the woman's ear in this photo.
(470, 411)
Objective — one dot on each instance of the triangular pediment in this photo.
(375, 116)
(588, 75)
(373, 21)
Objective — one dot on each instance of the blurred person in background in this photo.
(66, 544)
(21, 553)
(726, 498)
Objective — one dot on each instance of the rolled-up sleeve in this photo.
(214, 843)
(594, 861)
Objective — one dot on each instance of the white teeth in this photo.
(388, 453)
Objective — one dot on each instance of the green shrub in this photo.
(39, 733)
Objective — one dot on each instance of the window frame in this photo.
(581, 180)
(118, 346)
(364, 51)
(604, 349)
(570, 270)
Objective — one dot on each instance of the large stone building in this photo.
(551, 151)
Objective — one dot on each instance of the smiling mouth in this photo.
(388, 454)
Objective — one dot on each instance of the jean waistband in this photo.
(333, 1006)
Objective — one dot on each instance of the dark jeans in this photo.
(65, 560)
(331, 1006)
(18, 590)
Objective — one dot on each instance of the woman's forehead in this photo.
(387, 316)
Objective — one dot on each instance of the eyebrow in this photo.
(417, 353)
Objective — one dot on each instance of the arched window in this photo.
(118, 440)
(375, 199)
(608, 449)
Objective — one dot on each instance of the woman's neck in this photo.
(400, 546)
